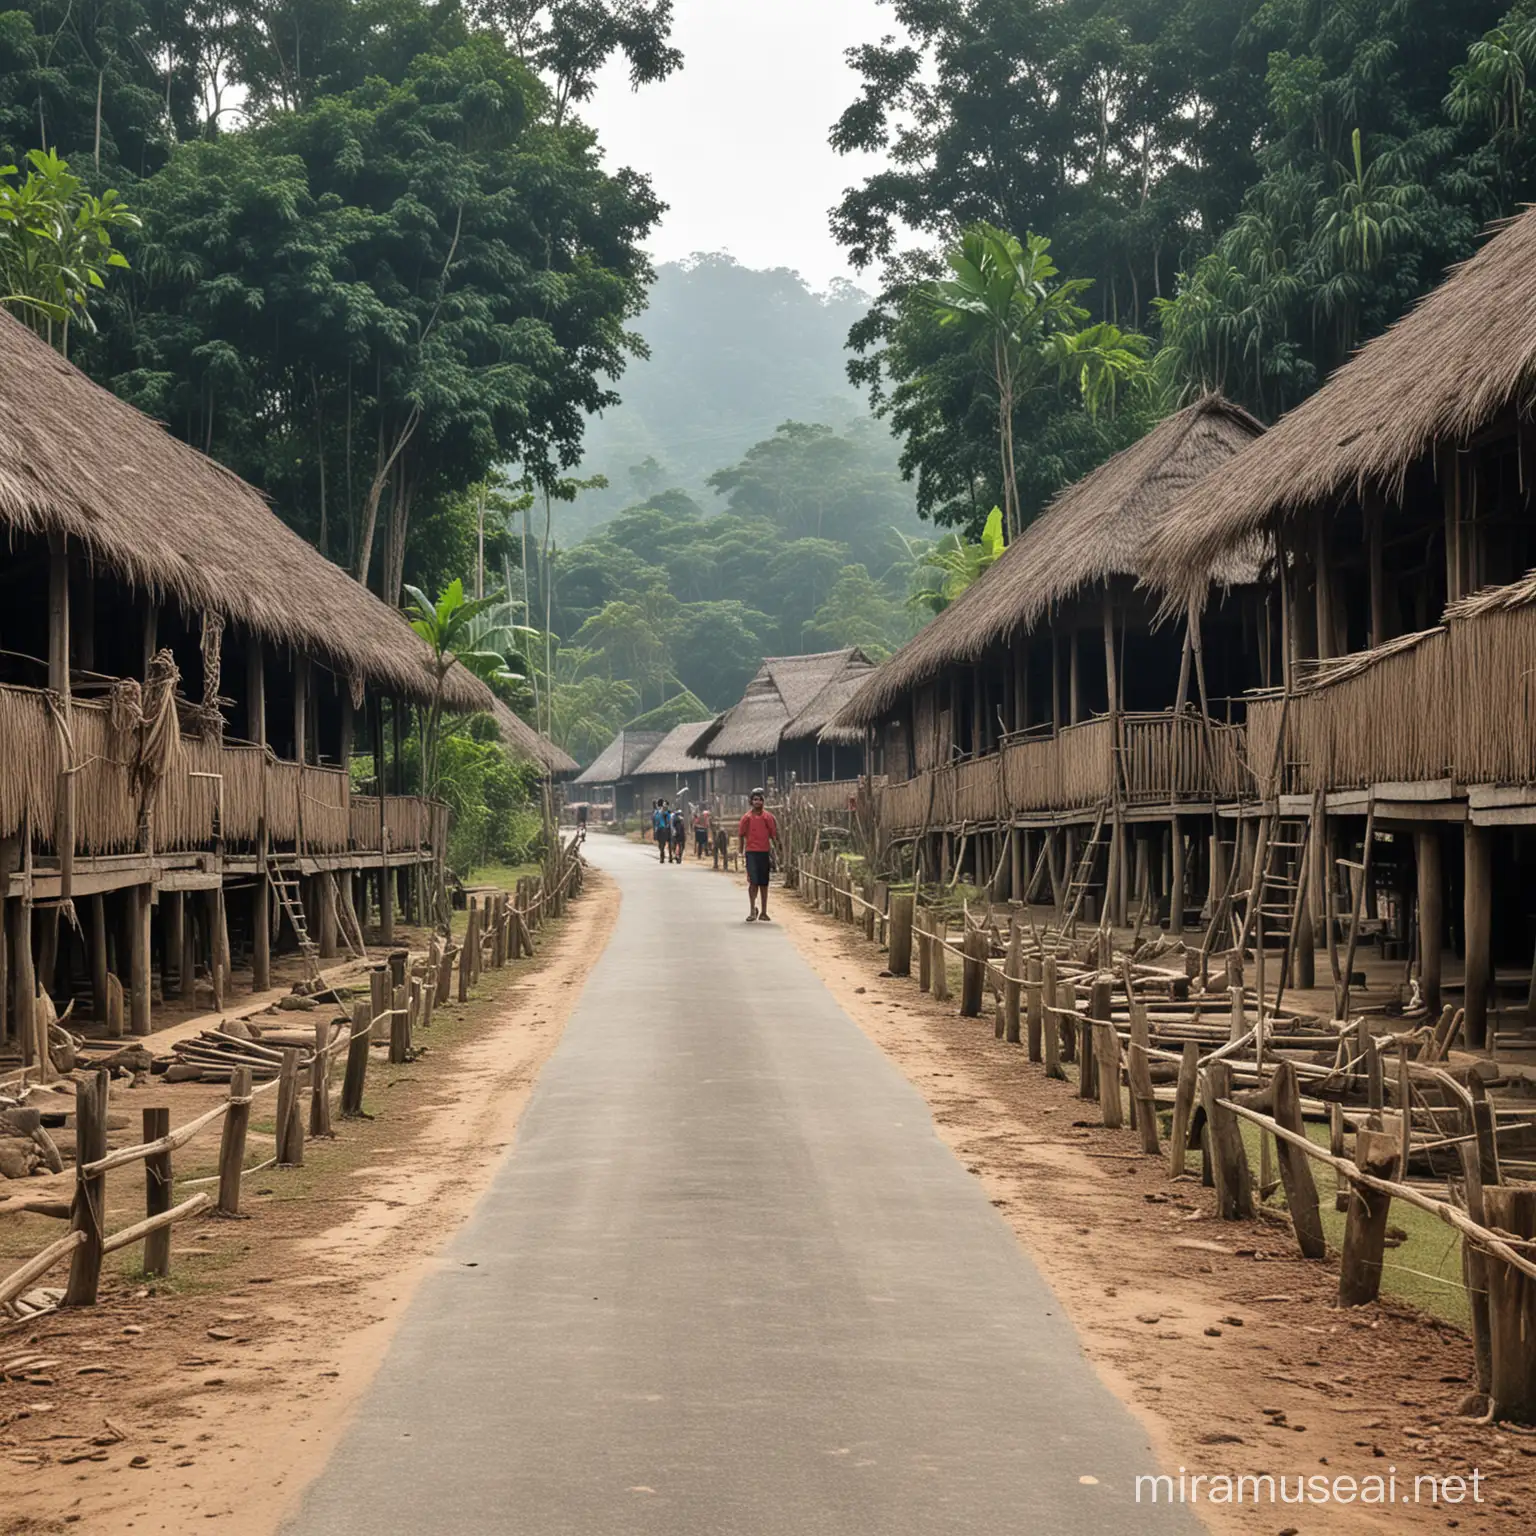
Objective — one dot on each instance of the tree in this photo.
(942, 570)
(716, 647)
(860, 611)
(365, 304)
(56, 245)
(1028, 331)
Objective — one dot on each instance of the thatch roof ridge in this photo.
(172, 522)
(521, 738)
(619, 759)
(783, 688)
(673, 753)
(1463, 353)
(1095, 529)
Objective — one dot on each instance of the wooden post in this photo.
(899, 958)
(327, 936)
(1431, 915)
(1139, 1070)
(1511, 1308)
(157, 1193)
(465, 955)
(1365, 1225)
(1478, 927)
(1296, 1166)
(290, 1125)
(173, 907)
(1229, 1159)
(1013, 984)
(921, 925)
(138, 960)
(1087, 1070)
(320, 1082)
(1178, 895)
(973, 978)
(261, 895)
(1106, 1052)
(1051, 1037)
(940, 992)
(1034, 1012)
(356, 1077)
(473, 937)
(97, 940)
(219, 925)
(23, 979)
(1066, 1019)
(59, 684)
(237, 1120)
(188, 962)
(88, 1211)
(400, 1028)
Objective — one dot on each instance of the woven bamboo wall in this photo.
(327, 813)
(1492, 702)
(833, 795)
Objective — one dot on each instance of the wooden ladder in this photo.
(1083, 880)
(1275, 898)
(285, 882)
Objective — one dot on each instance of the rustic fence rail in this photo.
(1141, 1036)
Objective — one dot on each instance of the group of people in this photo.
(758, 834)
(669, 826)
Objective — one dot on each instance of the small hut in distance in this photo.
(779, 730)
(670, 771)
(609, 778)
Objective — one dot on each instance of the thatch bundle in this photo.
(77, 460)
(1463, 355)
(1096, 530)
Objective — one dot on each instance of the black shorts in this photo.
(663, 837)
(758, 867)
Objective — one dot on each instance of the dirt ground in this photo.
(216, 1395)
(1226, 1343)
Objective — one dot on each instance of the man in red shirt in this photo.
(759, 834)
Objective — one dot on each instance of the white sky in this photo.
(736, 142)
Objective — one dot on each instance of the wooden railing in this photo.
(210, 793)
(833, 795)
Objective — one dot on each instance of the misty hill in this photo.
(733, 353)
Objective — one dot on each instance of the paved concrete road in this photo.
(729, 1283)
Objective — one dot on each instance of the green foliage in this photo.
(1260, 184)
(680, 709)
(56, 245)
(860, 611)
(941, 570)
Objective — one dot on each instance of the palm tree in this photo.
(943, 569)
(1029, 329)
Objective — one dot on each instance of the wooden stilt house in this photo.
(1043, 733)
(1400, 742)
(670, 771)
(782, 732)
(183, 685)
(610, 777)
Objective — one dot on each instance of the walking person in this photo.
(679, 835)
(661, 828)
(759, 834)
(701, 820)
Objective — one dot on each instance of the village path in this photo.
(728, 1282)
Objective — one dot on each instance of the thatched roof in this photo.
(521, 738)
(76, 460)
(672, 754)
(783, 703)
(1462, 355)
(1099, 528)
(620, 758)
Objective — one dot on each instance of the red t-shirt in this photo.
(757, 832)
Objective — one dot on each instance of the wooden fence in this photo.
(403, 995)
(1144, 1040)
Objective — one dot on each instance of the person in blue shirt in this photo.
(679, 835)
(661, 828)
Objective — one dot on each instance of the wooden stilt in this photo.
(1431, 915)
(138, 959)
(1177, 893)
(237, 1119)
(96, 938)
(1478, 926)
(188, 949)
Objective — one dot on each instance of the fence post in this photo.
(1049, 999)
(899, 961)
(1296, 1167)
(1365, 1225)
(1087, 1076)
(320, 1081)
(1183, 1108)
(1511, 1306)
(1013, 984)
(399, 1028)
(88, 1211)
(237, 1119)
(1107, 1052)
(924, 948)
(1033, 1012)
(1229, 1159)
(976, 948)
(157, 1193)
(290, 1128)
(1139, 1070)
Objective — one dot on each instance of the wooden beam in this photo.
(1477, 915)
(1431, 914)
